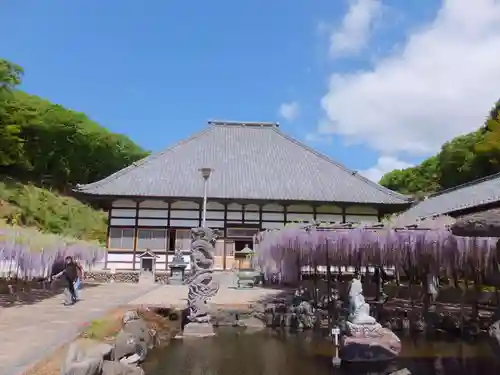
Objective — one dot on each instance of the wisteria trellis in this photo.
(29, 252)
(284, 251)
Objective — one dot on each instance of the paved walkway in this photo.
(28, 333)
(176, 295)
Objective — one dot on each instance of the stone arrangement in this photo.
(202, 285)
(161, 277)
(130, 349)
(365, 339)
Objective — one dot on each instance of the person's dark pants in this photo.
(71, 287)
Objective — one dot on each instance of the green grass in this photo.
(28, 205)
(102, 328)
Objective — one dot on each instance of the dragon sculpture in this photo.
(202, 286)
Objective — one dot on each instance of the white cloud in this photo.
(384, 164)
(318, 138)
(440, 84)
(354, 32)
(289, 111)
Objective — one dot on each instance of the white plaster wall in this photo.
(300, 217)
(329, 218)
(123, 203)
(124, 222)
(153, 203)
(114, 257)
(153, 222)
(273, 216)
(122, 212)
(272, 225)
(120, 266)
(184, 223)
(362, 219)
(145, 213)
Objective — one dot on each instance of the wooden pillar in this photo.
(200, 213)
(224, 253)
(108, 240)
(169, 233)
(136, 231)
(260, 216)
(380, 214)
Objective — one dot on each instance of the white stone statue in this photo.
(359, 310)
(365, 339)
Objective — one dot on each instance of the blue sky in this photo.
(158, 70)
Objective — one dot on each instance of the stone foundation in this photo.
(105, 276)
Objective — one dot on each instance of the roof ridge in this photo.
(147, 159)
(337, 164)
(253, 124)
(466, 184)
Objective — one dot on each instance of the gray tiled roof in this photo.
(475, 193)
(250, 161)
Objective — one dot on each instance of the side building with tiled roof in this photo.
(261, 179)
(475, 196)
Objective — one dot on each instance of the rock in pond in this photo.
(134, 339)
(88, 359)
(383, 346)
(118, 368)
(494, 337)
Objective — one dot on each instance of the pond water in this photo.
(277, 353)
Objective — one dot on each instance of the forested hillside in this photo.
(44, 146)
(463, 159)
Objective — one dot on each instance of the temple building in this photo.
(260, 178)
(475, 196)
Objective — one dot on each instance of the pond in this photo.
(268, 352)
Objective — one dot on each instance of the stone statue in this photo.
(359, 310)
(202, 286)
(366, 339)
(432, 289)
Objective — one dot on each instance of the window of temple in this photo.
(182, 239)
(152, 239)
(121, 238)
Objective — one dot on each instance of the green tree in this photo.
(10, 142)
(47, 143)
(10, 75)
(463, 159)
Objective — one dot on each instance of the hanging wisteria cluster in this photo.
(30, 253)
(286, 251)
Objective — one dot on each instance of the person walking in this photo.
(79, 278)
(69, 273)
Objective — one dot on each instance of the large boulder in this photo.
(494, 337)
(134, 339)
(81, 360)
(382, 345)
(118, 368)
(139, 329)
(128, 344)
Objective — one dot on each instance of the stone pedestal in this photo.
(177, 273)
(198, 330)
